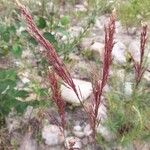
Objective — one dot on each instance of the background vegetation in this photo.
(128, 116)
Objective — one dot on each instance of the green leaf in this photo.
(6, 36)
(50, 37)
(29, 38)
(41, 23)
(11, 29)
(2, 29)
(17, 50)
(7, 79)
(65, 20)
(7, 74)
(25, 33)
(33, 41)
(8, 94)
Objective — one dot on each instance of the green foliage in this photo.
(65, 20)
(10, 42)
(132, 12)
(41, 23)
(9, 94)
(128, 116)
(17, 50)
(51, 38)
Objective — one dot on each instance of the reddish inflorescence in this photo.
(60, 69)
(139, 66)
(99, 84)
(56, 96)
(50, 52)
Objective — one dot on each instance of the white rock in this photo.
(107, 134)
(28, 143)
(77, 130)
(80, 7)
(97, 48)
(25, 80)
(118, 53)
(134, 49)
(52, 135)
(73, 142)
(128, 88)
(83, 87)
(87, 130)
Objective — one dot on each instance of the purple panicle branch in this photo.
(99, 84)
(50, 52)
(56, 96)
(60, 69)
(139, 67)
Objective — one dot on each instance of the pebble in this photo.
(77, 130)
(73, 142)
(83, 87)
(118, 53)
(52, 135)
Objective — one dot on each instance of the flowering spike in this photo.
(56, 96)
(99, 84)
(50, 52)
(139, 66)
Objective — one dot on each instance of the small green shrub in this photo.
(9, 94)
